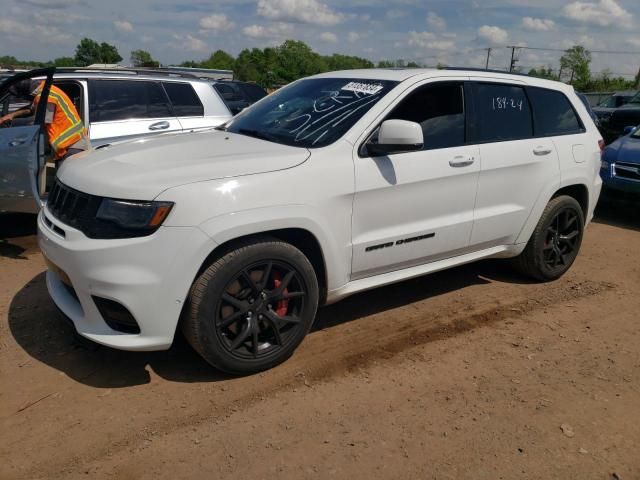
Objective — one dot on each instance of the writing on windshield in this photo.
(311, 113)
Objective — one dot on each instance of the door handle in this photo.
(541, 151)
(159, 125)
(17, 141)
(461, 161)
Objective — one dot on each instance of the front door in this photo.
(22, 145)
(417, 207)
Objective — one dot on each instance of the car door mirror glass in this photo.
(396, 136)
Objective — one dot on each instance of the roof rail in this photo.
(475, 69)
(125, 70)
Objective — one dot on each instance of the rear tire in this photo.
(555, 242)
(251, 308)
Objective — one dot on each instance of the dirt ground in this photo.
(473, 373)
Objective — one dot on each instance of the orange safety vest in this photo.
(67, 127)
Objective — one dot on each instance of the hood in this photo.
(625, 149)
(141, 169)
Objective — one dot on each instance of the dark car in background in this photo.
(621, 118)
(620, 169)
(606, 107)
(239, 95)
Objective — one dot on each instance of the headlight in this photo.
(135, 215)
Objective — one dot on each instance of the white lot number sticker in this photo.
(359, 87)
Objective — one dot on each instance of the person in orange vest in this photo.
(65, 130)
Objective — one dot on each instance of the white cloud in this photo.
(634, 42)
(539, 24)
(189, 42)
(355, 36)
(430, 41)
(329, 37)
(395, 13)
(276, 30)
(603, 13)
(216, 21)
(46, 34)
(304, 11)
(123, 26)
(435, 21)
(494, 35)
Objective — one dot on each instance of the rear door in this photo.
(516, 167)
(22, 147)
(123, 109)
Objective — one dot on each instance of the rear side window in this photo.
(184, 99)
(252, 92)
(553, 113)
(227, 92)
(112, 100)
(439, 109)
(503, 113)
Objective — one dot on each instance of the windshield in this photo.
(636, 98)
(311, 113)
(608, 102)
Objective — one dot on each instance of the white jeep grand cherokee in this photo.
(335, 184)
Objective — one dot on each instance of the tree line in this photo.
(575, 69)
(294, 59)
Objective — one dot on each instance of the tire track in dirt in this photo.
(342, 350)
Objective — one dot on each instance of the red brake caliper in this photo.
(283, 305)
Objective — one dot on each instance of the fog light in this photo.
(116, 315)
(604, 165)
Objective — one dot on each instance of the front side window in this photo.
(503, 113)
(112, 100)
(311, 113)
(635, 99)
(184, 100)
(439, 109)
(553, 113)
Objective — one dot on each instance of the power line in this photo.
(611, 52)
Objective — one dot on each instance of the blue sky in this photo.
(453, 32)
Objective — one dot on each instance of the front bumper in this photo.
(149, 276)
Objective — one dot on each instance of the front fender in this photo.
(235, 225)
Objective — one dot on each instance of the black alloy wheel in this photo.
(555, 241)
(252, 306)
(259, 311)
(563, 238)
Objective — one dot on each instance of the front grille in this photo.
(628, 171)
(79, 210)
(72, 207)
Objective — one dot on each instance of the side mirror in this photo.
(629, 129)
(397, 136)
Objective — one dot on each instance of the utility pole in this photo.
(486, 67)
(514, 59)
(560, 74)
(638, 79)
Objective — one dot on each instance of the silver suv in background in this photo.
(115, 105)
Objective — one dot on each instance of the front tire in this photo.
(251, 308)
(555, 242)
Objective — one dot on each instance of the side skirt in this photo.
(368, 283)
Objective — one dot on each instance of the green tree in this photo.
(219, 60)
(542, 72)
(142, 58)
(575, 62)
(64, 62)
(295, 59)
(89, 51)
(385, 64)
(345, 62)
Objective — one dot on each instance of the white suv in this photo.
(335, 184)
